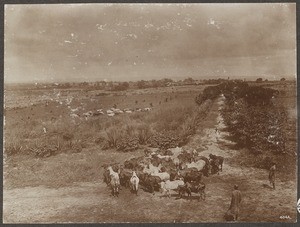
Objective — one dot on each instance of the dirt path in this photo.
(260, 202)
(91, 201)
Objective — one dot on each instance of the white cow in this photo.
(199, 165)
(134, 182)
(176, 151)
(109, 111)
(114, 181)
(73, 115)
(176, 161)
(151, 169)
(88, 114)
(167, 186)
(74, 110)
(118, 111)
(163, 176)
(165, 157)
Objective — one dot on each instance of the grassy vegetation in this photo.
(173, 119)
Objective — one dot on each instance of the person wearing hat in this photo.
(236, 199)
(272, 174)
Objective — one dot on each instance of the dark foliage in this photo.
(252, 119)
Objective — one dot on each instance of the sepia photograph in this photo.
(150, 113)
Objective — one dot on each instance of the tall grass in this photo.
(113, 135)
(177, 117)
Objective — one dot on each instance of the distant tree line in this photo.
(141, 84)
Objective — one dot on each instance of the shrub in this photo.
(144, 134)
(165, 140)
(210, 92)
(112, 137)
(259, 80)
(127, 143)
(13, 148)
(253, 121)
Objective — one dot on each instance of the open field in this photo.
(27, 117)
(67, 185)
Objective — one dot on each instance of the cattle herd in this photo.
(109, 112)
(164, 170)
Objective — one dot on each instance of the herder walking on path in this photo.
(272, 174)
(236, 199)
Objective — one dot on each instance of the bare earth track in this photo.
(90, 202)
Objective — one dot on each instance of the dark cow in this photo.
(130, 164)
(106, 177)
(125, 176)
(167, 166)
(191, 174)
(185, 157)
(133, 163)
(215, 166)
(156, 161)
(174, 175)
(194, 176)
(207, 168)
(167, 152)
(116, 167)
(195, 187)
(216, 163)
(150, 183)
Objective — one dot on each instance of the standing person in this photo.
(236, 199)
(272, 174)
(217, 133)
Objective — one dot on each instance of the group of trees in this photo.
(141, 84)
(253, 120)
(255, 126)
(210, 92)
(214, 81)
(232, 87)
(250, 115)
(260, 80)
(120, 87)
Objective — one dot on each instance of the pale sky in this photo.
(93, 42)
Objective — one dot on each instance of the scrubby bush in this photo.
(144, 133)
(210, 92)
(250, 115)
(13, 148)
(113, 135)
(165, 139)
(252, 119)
